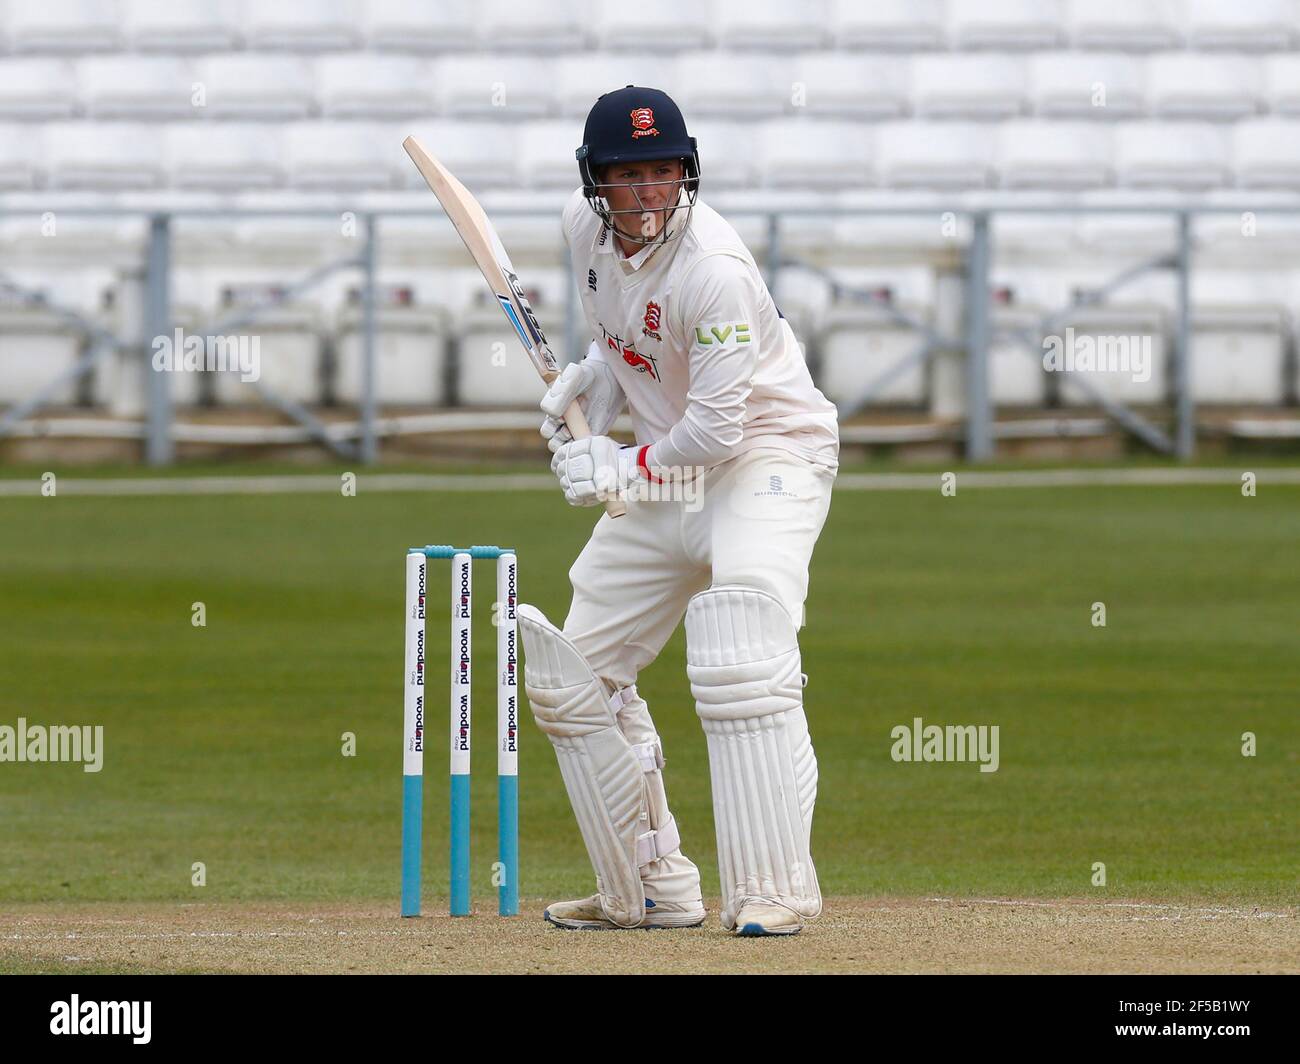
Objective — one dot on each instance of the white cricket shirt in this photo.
(709, 366)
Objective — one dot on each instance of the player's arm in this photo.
(718, 317)
(718, 311)
(591, 382)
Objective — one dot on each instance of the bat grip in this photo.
(576, 420)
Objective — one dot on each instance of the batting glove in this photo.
(593, 384)
(594, 469)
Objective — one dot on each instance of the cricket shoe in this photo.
(672, 899)
(758, 918)
(587, 915)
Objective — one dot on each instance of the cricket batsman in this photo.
(727, 489)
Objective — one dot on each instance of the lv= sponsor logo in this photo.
(720, 334)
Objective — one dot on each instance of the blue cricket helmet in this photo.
(635, 124)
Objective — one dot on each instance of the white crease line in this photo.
(1114, 905)
(90, 936)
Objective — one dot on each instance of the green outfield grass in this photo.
(223, 744)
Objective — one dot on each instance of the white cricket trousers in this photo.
(752, 521)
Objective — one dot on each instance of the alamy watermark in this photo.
(682, 484)
(1090, 353)
(953, 742)
(58, 742)
(180, 353)
(77, 1017)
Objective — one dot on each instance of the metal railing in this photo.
(360, 442)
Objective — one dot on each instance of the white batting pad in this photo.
(601, 771)
(742, 657)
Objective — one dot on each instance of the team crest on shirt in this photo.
(652, 310)
(643, 123)
(640, 362)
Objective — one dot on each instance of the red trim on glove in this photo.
(645, 469)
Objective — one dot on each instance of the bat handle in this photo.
(576, 420)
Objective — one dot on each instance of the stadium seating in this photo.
(833, 104)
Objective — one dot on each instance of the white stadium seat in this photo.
(1016, 374)
(1114, 331)
(860, 342)
(1230, 237)
(1058, 155)
(741, 208)
(152, 87)
(888, 25)
(1282, 84)
(896, 227)
(418, 26)
(838, 85)
(1170, 155)
(258, 86)
(424, 239)
(410, 356)
(726, 153)
(546, 28)
(1203, 86)
(579, 79)
(341, 155)
(1124, 25)
(493, 369)
(536, 234)
(178, 26)
(1030, 237)
(374, 86)
(302, 26)
(1087, 85)
(88, 240)
(289, 343)
(115, 381)
(480, 154)
(805, 235)
(968, 86)
(43, 89)
(715, 84)
(1254, 25)
(772, 25)
(1130, 235)
(946, 155)
(225, 156)
(70, 27)
(1238, 353)
(797, 291)
(544, 154)
(503, 87)
(1266, 153)
(1005, 24)
(36, 347)
(801, 153)
(312, 237)
(103, 156)
(679, 25)
(20, 157)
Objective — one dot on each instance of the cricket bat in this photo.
(482, 242)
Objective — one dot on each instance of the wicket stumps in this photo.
(461, 702)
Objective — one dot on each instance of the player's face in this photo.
(645, 192)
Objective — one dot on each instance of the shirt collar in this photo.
(634, 262)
